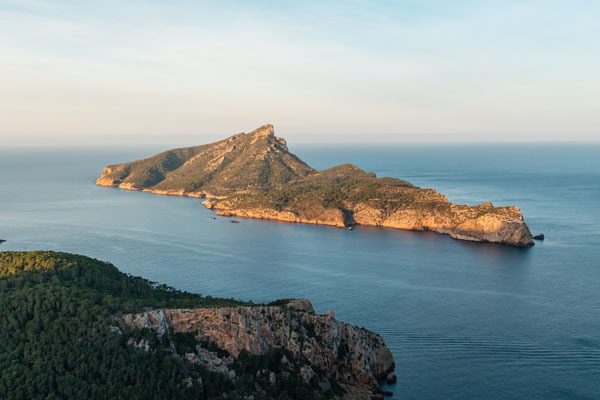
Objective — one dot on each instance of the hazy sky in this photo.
(412, 70)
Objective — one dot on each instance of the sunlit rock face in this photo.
(329, 350)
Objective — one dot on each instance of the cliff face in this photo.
(255, 176)
(317, 215)
(502, 225)
(477, 223)
(324, 351)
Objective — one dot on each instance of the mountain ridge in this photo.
(254, 175)
(213, 169)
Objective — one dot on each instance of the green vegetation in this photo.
(341, 188)
(58, 343)
(288, 385)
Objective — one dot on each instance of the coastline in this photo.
(486, 231)
(228, 341)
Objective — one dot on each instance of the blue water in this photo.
(463, 320)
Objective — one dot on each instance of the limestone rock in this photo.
(355, 358)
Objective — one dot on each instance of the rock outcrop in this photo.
(323, 349)
(255, 176)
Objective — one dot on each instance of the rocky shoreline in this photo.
(481, 223)
(506, 227)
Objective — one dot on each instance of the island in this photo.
(74, 327)
(254, 175)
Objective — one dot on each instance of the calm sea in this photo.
(464, 320)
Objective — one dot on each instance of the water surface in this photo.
(464, 320)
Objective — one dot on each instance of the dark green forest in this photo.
(56, 311)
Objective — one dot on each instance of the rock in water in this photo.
(2, 241)
(539, 237)
(254, 175)
(391, 378)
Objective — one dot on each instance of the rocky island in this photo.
(75, 327)
(254, 175)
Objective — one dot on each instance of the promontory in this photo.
(73, 327)
(254, 175)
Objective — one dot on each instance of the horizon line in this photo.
(175, 144)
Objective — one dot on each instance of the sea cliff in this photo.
(325, 352)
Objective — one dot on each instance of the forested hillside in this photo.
(59, 340)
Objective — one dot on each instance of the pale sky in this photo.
(116, 71)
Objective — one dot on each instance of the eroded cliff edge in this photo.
(343, 360)
(254, 175)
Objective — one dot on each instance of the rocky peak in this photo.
(266, 130)
(265, 133)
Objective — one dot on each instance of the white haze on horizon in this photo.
(188, 72)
